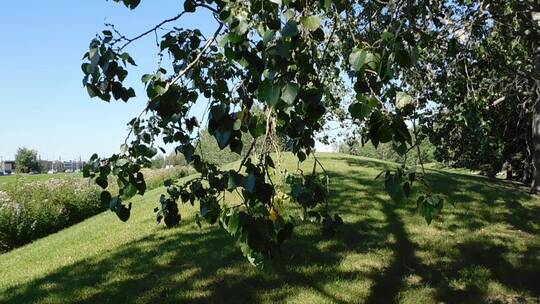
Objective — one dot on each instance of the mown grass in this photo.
(485, 249)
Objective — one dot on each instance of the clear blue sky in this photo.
(43, 103)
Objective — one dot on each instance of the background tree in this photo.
(482, 79)
(26, 160)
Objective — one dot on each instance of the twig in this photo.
(182, 73)
(151, 30)
(247, 154)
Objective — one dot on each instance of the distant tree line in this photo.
(386, 152)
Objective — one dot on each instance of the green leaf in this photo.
(399, 147)
(91, 91)
(232, 181)
(105, 198)
(257, 126)
(237, 124)
(429, 206)
(403, 99)
(236, 146)
(128, 58)
(385, 133)
(130, 190)
(289, 92)
(268, 36)
(250, 183)
(146, 151)
(373, 60)
(233, 224)
(401, 131)
(269, 92)
(86, 170)
(290, 29)
(121, 162)
(132, 4)
(311, 23)
(359, 110)
(114, 204)
(235, 38)
(328, 5)
(146, 78)
(102, 182)
(189, 6)
(124, 149)
(387, 36)
(357, 59)
(223, 138)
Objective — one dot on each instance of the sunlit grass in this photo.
(486, 248)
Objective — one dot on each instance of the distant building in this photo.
(45, 165)
(7, 166)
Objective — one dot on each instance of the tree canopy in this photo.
(26, 160)
(285, 68)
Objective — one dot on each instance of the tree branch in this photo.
(150, 30)
(247, 154)
(191, 64)
(183, 72)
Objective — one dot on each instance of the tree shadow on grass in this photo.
(204, 266)
(464, 269)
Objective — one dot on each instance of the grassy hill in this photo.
(486, 248)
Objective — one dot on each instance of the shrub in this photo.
(30, 210)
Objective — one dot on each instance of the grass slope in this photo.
(485, 249)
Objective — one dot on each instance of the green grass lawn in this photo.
(486, 248)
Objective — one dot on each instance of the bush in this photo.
(30, 210)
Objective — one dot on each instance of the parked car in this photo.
(1, 173)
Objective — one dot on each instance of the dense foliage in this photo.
(283, 69)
